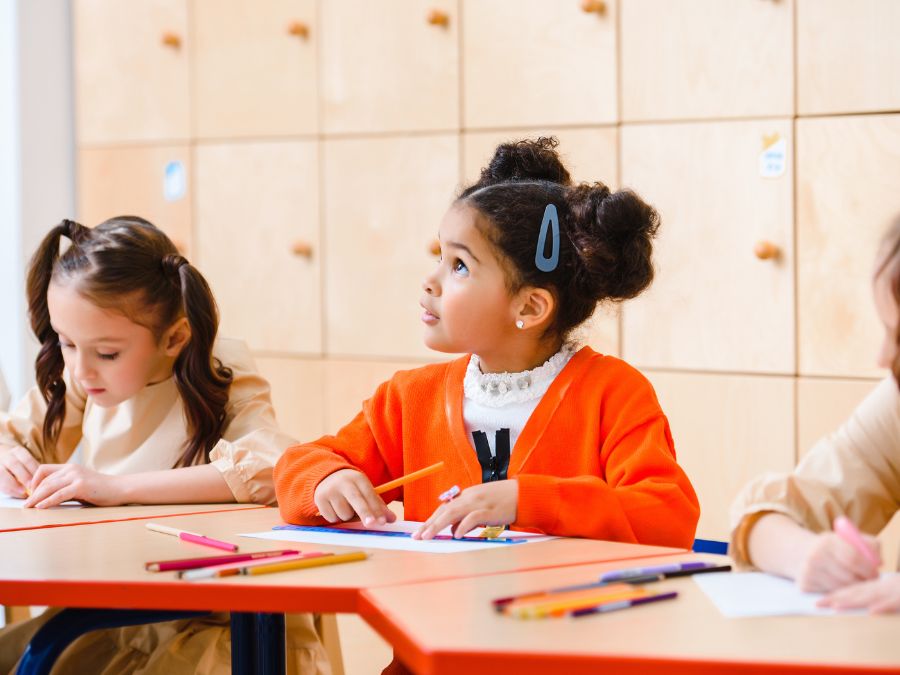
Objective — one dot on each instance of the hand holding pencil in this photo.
(17, 467)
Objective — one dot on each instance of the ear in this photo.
(176, 337)
(534, 307)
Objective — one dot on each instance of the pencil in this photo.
(194, 563)
(306, 562)
(192, 537)
(408, 478)
(230, 569)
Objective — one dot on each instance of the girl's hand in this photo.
(54, 484)
(880, 596)
(494, 503)
(348, 493)
(832, 563)
(17, 468)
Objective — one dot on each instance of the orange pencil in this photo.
(408, 478)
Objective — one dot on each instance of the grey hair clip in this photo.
(545, 264)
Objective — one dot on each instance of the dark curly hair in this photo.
(605, 237)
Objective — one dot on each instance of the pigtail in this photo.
(890, 264)
(49, 364)
(203, 382)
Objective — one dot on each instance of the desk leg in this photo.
(243, 643)
(270, 644)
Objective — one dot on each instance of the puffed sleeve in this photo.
(853, 472)
(251, 442)
(24, 424)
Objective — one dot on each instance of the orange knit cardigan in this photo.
(595, 459)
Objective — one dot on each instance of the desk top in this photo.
(457, 631)
(103, 566)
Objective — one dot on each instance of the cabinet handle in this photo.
(172, 40)
(298, 29)
(434, 248)
(302, 249)
(437, 17)
(593, 7)
(766, 250)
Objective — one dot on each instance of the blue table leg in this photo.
(270, 644)
(243, 643)
(64, 628)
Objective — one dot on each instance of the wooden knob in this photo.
(593, 7)
(170, 39)
(766, 250)
(298, 29)
(436, 17)
(434, 248)
(302, 248)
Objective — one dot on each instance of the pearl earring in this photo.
(520, 324)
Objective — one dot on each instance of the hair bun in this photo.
(530, 159)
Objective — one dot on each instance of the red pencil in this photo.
(194, 563)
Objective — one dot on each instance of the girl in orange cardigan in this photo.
(540, 434)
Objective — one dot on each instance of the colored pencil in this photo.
(194, 563)
(192, 537)
(231, 569)
(624, 604)
(303, 564)
(564, 602)
(408, 478)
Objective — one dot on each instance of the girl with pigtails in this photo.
(131, 369)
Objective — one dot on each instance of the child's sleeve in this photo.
(853, 472)
(24, 424)
(370, 443)
(644, 497)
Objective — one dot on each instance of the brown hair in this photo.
(889, 258)
(605, 237)
(129, 265)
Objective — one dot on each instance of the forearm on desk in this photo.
(777, 544)
(187, 485)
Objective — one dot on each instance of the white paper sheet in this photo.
(746, 594)
(7, 502)
(393, 543)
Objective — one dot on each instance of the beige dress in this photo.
(147, 433)
(853, 472)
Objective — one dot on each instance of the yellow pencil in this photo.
(305, 562)
(408, 478)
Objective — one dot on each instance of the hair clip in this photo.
(545, 264)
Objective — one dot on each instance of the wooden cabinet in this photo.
(297, 387)
(255, 68)
(258, 242)
(391, 65)
(531, 62)
(823, 405)
(148, 181)
(131, 71)
(349, 383)
(724, 191)
(728, 430)
(384, 201)
(589, 155)
(699, 59)
(848, 56)
(848, 170)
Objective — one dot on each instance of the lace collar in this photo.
(496, 390)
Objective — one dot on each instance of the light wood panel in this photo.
(153, 182)
(531, 62)
(823, 405)
(131, 70)
(714, 305)
(848, 56)
(699, 59)
(297, 386)
(385, 67)
(728, 430)
(255, 72)
(848, 170)
(384, 200)
(347, 384)
(256, 202)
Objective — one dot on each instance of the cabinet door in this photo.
(297, 386)
(349, 383)
(254, 68)
(384, 201)
(724, 192)
(258, 241)
(728, 430)
(848, 170)
(589, 155)
(391, 65)
(131, 70)
(823, 405)
(848, 56)
(152, 182)
(700, 59)
(532, 62)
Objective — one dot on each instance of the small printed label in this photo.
(773, 158)
(174, 182)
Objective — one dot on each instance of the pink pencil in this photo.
(192, 537)
(846, 530)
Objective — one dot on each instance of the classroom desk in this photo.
(457, 631)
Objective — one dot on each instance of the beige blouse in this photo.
(148, 433)
(853, 472)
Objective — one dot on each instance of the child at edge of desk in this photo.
(129, 366)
